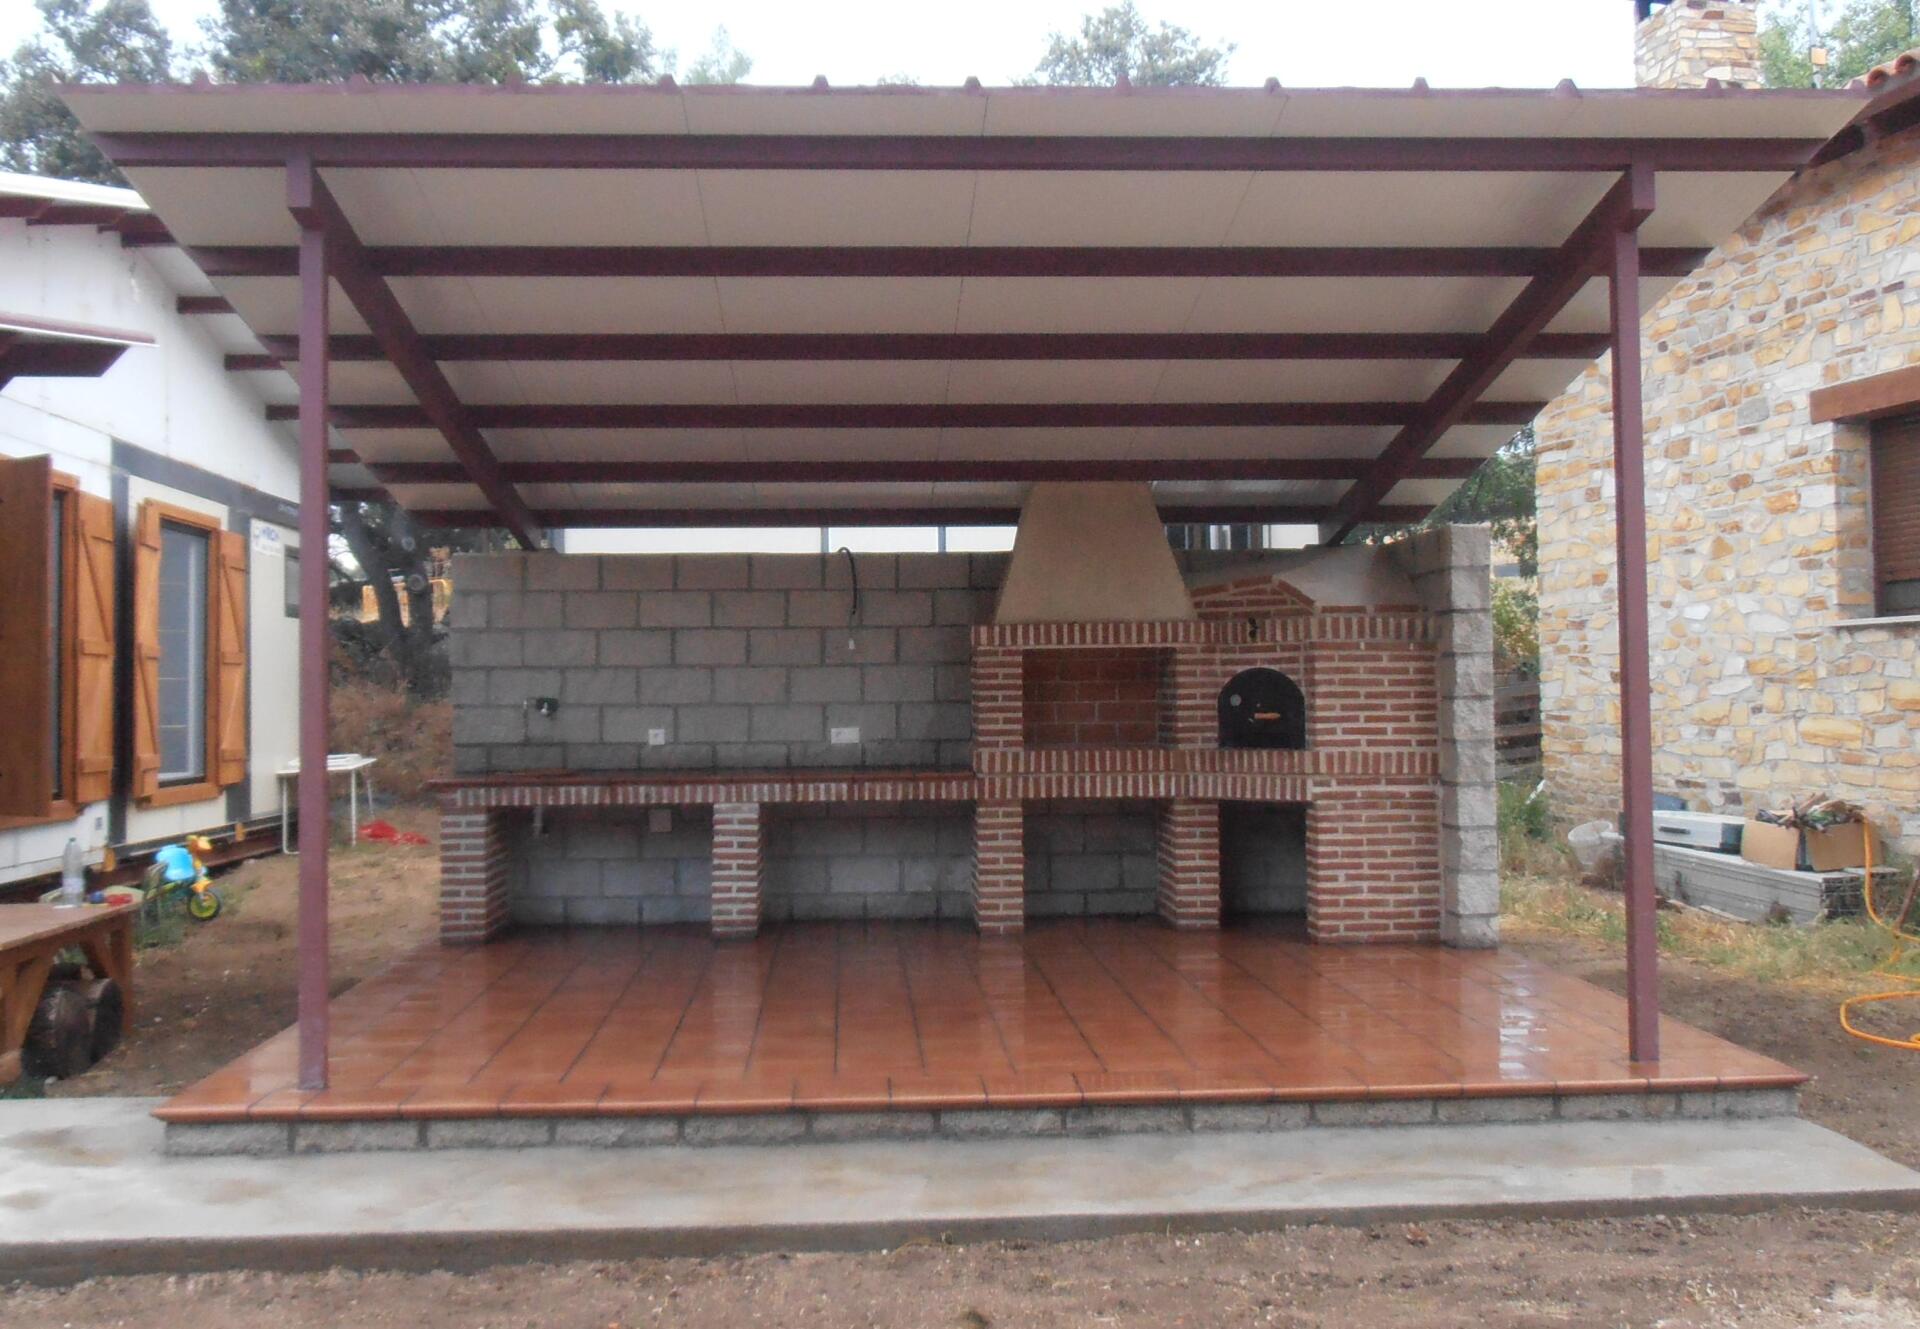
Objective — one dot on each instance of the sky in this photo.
(1303, 43)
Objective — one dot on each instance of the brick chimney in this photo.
(1683, 43)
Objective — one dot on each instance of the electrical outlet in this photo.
(844, 734)
(656, 738)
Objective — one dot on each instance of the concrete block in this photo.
(1002, 1123)
(843, 1127)
(602, 609)
(1249, 1116)
(788, 724)
(985, 572)
(746, 686)
(571, 724)
(876, 572)
(783, 646)
(713, 724)
(818, 609)
(1380, 1112)
(863, 876)
(948, 645)
(1477, 891)
(676, 687)
(676, 609)
(526, 609)
(1467, 852)
(1752, 1104)
(1467, 763)
(537, 911)
(710, 572)
(489, 1133)
(467, 611)
(897, 752)
(563, 572)
(783, 572)
(897, 683)
(749, 609)
(512, 687)
(825, 683)
(1118, 1119)
(1470, 932)
(599, 687)
(503, 757)
(632, 724)
(560, 649)
(615, 1132)
(925, 572)
(1493, 1111)
(952, 682)
(1466, 675)
(768, 1128)
(674, 909)
(468, 687)
(1469, 632)
(603, 911)
(859, 646)
(641, 649)
(1602, 1107)
(489, 724)
(961, 608)
(892, 609)
(638, 879)
(710, 647)
(352, 1137)
(893, 907)
(636, 572)
(484, 649)
(935, 720)
(1467, 719)
(255, 1139)
(488, 572)
(1473, 805)
(876, 723)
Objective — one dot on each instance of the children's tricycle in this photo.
(181, 869)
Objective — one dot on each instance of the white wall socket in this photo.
(845, 734)
(656, 738)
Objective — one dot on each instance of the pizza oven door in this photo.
(1262, 708)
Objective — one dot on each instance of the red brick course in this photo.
(1189, 853)
(473, 875)
(999, 867)
(738, 850)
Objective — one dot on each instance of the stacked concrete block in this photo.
(872, 862)
(1451, 570)
(606, 866)
(1090, 859)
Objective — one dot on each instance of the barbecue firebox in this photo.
(1262, 708)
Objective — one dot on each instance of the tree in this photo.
(1118, 43)
(1500, 493)
(116, 41)
(723, 63)
(1857, 35)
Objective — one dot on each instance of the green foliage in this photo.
(1516, 627)
(1858, 34)
(116, 41)
(723, 62)
(1118, 43)
(427, 41)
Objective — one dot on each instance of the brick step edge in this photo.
(261, 1138)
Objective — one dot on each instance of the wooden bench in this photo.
(32, 936)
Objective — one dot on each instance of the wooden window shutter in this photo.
(146, 652)
(229, 681)
(1896, 506)
(93, 649)
(26, 648)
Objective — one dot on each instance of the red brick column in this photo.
(1000, 867)
(736, 869)
(1189, 852)
(473, 875)
(1373, 862)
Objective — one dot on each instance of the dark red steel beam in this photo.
(1625, 206)
(919, 415)
(1636, 685)
(952, 152)
(959, 515)
(961, 261)
(892, 471)
(203, 304)
(613, 346)
(313, 206)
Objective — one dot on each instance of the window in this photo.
(56, 643)
(190, 656)
(184, 601)
(291, 586)
(1896, 516)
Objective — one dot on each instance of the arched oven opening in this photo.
(1262, 708)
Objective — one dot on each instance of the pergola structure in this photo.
(540, 307)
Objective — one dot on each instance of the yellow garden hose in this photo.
(1903, 936)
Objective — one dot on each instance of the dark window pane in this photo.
(183, 653)
(1900, 597)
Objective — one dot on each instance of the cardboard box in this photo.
(1789, 849)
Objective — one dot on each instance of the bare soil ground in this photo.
(229, 985)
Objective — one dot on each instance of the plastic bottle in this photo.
(73, 876)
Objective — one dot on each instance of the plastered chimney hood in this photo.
(1092, 552)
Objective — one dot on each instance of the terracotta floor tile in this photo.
(549, 1098)
(1034, 1089)
(1128, 1088)
(937, 1091)
(452, 1101)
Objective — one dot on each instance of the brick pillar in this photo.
(1000, 867)
(473, 875)
(1189, 853)
(737, 842)
(1373, 862)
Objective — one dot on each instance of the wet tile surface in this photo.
(852, 1017)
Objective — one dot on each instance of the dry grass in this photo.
(412, 739)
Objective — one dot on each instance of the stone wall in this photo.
(1691, 41)
(728, 661)
(1768, 685)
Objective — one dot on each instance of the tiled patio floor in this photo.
(863, 1016)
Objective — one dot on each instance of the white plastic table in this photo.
(349, 764)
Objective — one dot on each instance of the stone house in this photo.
(1781, 488)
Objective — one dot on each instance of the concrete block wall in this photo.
(604, 866)
(873, 862)
(1451, 569)
(739, 661)
(1263, 859)
(1090, 859)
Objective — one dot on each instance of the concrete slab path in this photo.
(85, 1190)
